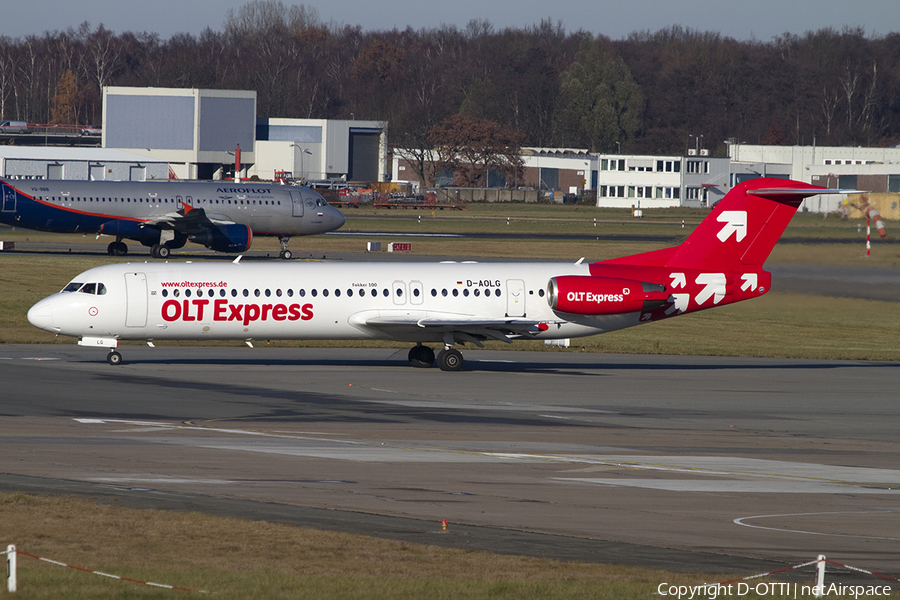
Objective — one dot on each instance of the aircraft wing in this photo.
(462, 328)
(186, 219)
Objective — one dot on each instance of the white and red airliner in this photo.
(447, 303)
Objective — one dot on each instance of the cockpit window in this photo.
(87, 288)
(321, 202)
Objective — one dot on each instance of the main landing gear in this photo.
(447, 359)
(159, 251)
(120, 249)
(117, 248)
(285, 253)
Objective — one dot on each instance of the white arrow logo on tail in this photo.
(714, 287)
(735, 222)
(678, 280)
(750, 281)
(679, 303)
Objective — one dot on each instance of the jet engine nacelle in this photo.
(225, 238)
(132, 230)
(589, 295)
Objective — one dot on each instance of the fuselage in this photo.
(154, 301)
(65, 206)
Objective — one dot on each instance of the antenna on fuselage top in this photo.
(238, 259)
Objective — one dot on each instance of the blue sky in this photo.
(756, 19)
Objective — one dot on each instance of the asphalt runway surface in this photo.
(735, 465)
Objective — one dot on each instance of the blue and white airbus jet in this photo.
(164, 216)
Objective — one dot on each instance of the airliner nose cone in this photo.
(41, 315)
(339, 219)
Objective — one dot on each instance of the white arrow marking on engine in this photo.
(679, 303)
(735, 222)
(714, 287)
(751, 280)
(678, 280)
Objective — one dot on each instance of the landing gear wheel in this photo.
(117, 249)
(159, 251)
(114, 358)
(285, 253)
(421, 356)
(450, 360)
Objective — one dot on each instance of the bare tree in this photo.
(472, 147)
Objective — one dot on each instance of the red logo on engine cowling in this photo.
(593, 295)
(222, 310)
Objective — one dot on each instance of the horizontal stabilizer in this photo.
(778, 194)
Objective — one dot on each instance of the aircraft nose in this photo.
(41, 316)
(338, 218)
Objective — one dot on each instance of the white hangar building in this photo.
(55, 162)
(196, 131)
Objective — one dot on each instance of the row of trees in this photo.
(652, 92)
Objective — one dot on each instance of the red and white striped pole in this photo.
(820, 576)
(868, 238)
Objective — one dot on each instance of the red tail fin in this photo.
(739, 233)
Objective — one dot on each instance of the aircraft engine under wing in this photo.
(224, 238)
(215, 234)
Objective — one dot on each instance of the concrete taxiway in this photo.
(715, 464)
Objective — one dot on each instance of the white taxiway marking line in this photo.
(734, 486)
(125, 479)
(388, 234)
(741, 520)
(783, 476)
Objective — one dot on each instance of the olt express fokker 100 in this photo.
(446, 303)
(222, 216)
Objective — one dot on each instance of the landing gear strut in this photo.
(285, 253)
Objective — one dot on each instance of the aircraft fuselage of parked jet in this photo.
(164, 216)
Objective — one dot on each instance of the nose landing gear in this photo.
(285, 253)
(114, 358)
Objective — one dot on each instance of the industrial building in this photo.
(196, 131)
(321, 149)
(53, 162)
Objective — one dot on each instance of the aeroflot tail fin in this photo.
(741, 230)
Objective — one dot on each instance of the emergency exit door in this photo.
(515, 298)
